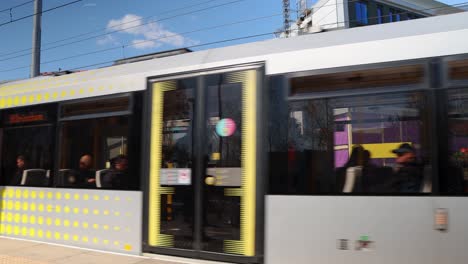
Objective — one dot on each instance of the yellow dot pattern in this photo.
(72, 86)
(65, 217)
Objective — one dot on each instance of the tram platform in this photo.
(15, 251)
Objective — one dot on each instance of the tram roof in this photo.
(406, 40)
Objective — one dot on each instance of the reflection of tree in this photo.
(177, 116)
(312, 131)
(225, 102)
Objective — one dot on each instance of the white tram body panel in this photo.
(297, 229)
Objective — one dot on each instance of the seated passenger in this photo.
(408, 173)
(116, 178)
(86, 176)
(20, 167)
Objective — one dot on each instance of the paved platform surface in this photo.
(14, 251)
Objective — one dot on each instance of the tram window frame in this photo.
(448, 85)
(133, 113)
(424, 84)
(283, 86)
(50, 121)
(447, 80)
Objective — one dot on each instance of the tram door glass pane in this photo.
(359, 144)
(455, 180)
(177, 205)
(224, 122)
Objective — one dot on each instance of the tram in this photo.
(243, 154)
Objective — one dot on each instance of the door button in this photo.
(210, 180)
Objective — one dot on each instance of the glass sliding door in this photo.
(203, 164)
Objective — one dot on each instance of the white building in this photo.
(316, 16)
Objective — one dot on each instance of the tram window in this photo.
(117, 104)
(404, 75)
(359, 144)
(454, 180)
(28, 145)
(458, 70)
(88, 149)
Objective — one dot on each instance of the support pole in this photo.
(36, 40)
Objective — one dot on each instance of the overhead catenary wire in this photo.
(154, 39)
(16, 6)
(222, 41)
(120, 30)
(44, 11)
(103, 29)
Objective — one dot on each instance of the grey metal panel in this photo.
(305, 229)
(97, 219)
(226, 176)
(451, 246)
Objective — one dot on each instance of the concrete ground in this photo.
(14, 251)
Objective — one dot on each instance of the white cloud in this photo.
(154, 34)
(144, 44)
(107, 39)
(129, 24)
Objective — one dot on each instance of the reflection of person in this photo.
(20, 167)
(116, 178)
(408, 172)
(358, 159)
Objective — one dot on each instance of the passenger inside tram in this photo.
(117, 176)
(20, 167)
(86, 175)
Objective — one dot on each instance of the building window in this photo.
(379, 14)
(397, 17)
(361, 12)
(390, 15)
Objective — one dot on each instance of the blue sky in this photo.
(149, 26)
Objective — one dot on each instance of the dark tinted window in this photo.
(28, 145)
(458, 70)
(117, 104)
(405, 75)
(357, 144)
(454, 178)
(379, 14)
(99, 152)
(361, 12)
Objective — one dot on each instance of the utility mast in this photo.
(286, 9)
(36, 39)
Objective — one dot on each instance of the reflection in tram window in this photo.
(386, 132)
(87, 149)
(455, 181)
(359, 144)
(224, 123)
(177, 208)
(28, 141)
